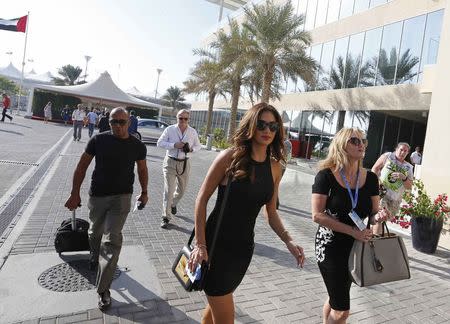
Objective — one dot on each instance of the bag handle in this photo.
(219, 221)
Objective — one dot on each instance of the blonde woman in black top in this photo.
(342, 190)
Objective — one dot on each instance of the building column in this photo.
(435, 171)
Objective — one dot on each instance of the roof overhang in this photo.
(230, 4)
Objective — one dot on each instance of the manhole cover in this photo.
(70, 276)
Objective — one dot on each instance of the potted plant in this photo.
(426, 217)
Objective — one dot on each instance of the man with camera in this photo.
(179, 140)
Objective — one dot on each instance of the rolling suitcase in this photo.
(72, 235)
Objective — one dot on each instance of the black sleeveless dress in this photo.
(235, 241)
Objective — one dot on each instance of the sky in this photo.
(130, 39)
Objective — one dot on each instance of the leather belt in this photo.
(178, 160)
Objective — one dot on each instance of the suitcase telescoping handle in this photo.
(74, 221)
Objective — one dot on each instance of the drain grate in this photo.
(18, 163)
(70, 277)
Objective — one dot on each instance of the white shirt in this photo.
(416, 157)
(78, 115)
(172, 135)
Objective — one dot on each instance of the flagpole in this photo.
(23, 62)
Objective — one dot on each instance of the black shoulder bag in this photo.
(179, 266)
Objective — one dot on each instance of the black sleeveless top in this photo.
(245, 200)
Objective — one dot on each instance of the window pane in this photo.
(374, 3)
(432, 38)
(361, 5)
(333, 10)
(302, 7)
(325, 64)
(310, 14)
(353, 62)
(291, 86)
(388, 53)
(316, 52)
(346, 8)
(410, 48)
(370, 57)
(321, 15)
(340, 52)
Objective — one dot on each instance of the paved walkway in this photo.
(273, 291)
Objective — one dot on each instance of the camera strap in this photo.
(184, 166)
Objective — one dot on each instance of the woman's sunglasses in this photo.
(358, 141)
(121, 122)
(261, 125)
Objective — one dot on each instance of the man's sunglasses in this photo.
(358, 141)
(261, 125)
(183, 118)
(121, 122)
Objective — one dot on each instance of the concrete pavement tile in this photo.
(73, 318)
(95, 313)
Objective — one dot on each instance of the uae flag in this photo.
(15, 25)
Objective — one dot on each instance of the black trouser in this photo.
(4, 114)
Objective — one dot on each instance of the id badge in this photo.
(358, 221)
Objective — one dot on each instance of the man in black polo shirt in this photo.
(110, 193)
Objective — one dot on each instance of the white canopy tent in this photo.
(102, 91)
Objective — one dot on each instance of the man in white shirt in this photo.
(416, 156)
(179, 140)
(78, 117)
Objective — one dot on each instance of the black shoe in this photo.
(104, 300)
(164, 223)
(173, 210)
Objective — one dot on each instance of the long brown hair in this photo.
(242, 140)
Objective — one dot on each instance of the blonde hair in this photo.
(337, 156)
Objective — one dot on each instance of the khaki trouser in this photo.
(107, 215)
(175, 181)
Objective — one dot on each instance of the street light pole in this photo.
(87, 58)
(156, 92)
(157, 81)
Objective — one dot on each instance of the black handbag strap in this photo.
(219, 221)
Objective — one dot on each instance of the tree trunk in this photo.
(235, 94)
(341, 119)
(212, 96)
(267, 84)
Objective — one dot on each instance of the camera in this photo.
(186, 148)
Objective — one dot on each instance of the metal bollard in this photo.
(209, 140)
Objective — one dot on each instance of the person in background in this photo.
(78, 117)
(133, 128)
(110, 193)
(396, 175)
(103, 123)
(416, 156)
(253, 166)
(342, 191)
(178, 140)
(65, 114)
(92, 120)
(6, 103)
(287, 157)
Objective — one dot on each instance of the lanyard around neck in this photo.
(355, 198)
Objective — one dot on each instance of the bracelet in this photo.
(200, 246)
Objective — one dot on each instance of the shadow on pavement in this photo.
(442, 272)
(295, 211)
(281, 257)
(186, 219)
(175, 227)
(11, 132)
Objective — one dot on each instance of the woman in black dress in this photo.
(253, 162)
(341, 187)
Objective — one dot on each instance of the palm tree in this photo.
(405, 65)
(346, 75)
(232, 51)
(279, 44)
(69, 74)
(206, 77)
(175, 96)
